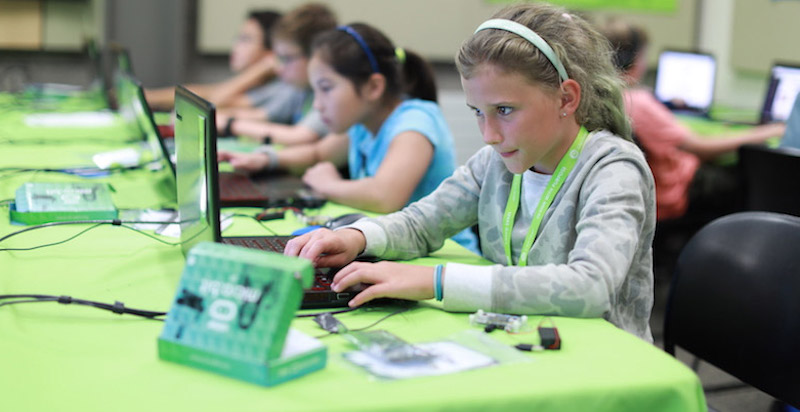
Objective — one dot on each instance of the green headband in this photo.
(529, 35)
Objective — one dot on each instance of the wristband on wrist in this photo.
(273, 159)
(228, 131)
(438, 290)
(272, 155)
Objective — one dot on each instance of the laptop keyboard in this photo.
(266, 243)
(322, 276)
(238, 187)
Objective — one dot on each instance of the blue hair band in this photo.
(360, 40)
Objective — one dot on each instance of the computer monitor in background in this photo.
(99, 83)
(782, 89)
(195, 126)
(138, 116)
(121, 57)
(685, 81)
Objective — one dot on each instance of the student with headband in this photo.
(564, 201)
(380, 103)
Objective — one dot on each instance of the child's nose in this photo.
(491, 133)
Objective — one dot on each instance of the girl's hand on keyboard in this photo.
(387, 280)
(326, 248)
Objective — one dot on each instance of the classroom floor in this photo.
(468, 140)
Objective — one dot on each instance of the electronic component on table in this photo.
(510, 323)
(388, 347)
(549, 339)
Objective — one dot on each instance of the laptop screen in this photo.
(195, 131)
(685, 80)
(137, 115)
(147, 123)
(123, 59)
(784, 85)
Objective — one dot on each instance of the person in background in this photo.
(291, 41)
(253, 63)
(380, 103)
(688, 181)
(564, 201)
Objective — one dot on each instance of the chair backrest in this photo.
(734, 300)
(771, 177)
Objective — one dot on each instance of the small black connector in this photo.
(549, 338)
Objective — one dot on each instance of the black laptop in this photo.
(198, 192)
(782, 90)
(237, 189)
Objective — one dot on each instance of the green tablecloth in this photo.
(77, 358)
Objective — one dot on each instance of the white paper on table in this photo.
(76, 119)
(128, 157)
(449, 357)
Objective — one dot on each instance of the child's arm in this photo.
(401, 170)
(593, 262)
(230, 93)
(708, 148)
(277, 133)
(332, 148)
(423, 226)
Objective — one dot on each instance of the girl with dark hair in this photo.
(379, 102)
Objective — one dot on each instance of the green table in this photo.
(77, 358)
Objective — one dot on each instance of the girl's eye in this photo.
(477, 112)
(504, 110)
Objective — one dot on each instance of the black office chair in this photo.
(771, 178)
(734, 301)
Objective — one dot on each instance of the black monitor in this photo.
(195, 145)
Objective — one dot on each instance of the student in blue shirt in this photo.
(380, 103)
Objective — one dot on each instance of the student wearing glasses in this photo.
(291, 42)
(254, 84)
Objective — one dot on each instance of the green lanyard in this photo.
(563, 169)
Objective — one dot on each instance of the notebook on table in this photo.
(685, 81)
(198, 195)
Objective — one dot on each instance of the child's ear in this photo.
(570, 96)
(374, 87)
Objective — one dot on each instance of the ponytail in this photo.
(358, 50)
(418, 77)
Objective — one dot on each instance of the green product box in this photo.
(231, 315)
(41, 202)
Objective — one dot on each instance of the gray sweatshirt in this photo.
(592, 256)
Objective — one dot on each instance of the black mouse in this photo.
(344, 220)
